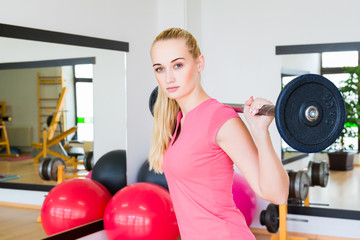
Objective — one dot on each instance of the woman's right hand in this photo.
(257, 123)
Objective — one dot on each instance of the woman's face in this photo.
(176, 71)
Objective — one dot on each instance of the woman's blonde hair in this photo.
(166, 109)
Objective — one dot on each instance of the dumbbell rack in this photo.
(61, 174)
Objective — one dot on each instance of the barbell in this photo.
(309, 112)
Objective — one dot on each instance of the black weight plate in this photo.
(89, 161)
(272, 218)
(43, 169)
(152, 100)
(301, 92)
(291, 175)
(52, 168)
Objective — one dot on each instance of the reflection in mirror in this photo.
(342, 190)
(31, 96)
(20, 62)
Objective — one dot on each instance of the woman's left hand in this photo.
(257, 122)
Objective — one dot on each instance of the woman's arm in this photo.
(258, 162)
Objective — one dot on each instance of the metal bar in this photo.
(266, 110)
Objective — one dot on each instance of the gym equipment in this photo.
(110, 170)
(270, 217)
(244, 197)
(49, 140)
(73, 203)
(309, 112)
(49, 169)
(89, 161)
(145, 175)
(299, 185)
(141, 211)
(152, 100)
(318, 173)
(4, 140)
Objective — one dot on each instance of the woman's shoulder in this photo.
(216, 110)
(217, 106)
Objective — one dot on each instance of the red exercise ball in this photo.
(244, 198)
(73, 203)
(141, 211)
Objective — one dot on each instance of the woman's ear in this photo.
(201, 63)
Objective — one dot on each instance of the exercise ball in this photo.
(244, 197)
(73, 203)
(145, 175)
(141, 211)
(110, 170)
(89, 175)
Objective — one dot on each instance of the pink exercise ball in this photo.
(73, 203)
(141, 211)
(89, 175)
(244, 197)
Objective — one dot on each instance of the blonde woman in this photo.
(196, 140)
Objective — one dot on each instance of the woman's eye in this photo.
(159, 69)
(178, 65)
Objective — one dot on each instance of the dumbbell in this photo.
(48, 168)
(318, 173)
(309, 112)
(270, 218)
(299, 184)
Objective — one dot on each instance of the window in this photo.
(332, 68)
(339, 59)
(84, 101)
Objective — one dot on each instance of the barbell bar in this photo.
(309, 112)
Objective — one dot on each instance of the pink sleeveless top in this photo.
(200, 176)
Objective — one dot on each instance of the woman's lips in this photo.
(172, 89)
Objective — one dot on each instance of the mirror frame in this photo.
(319, 48)
(25, 33)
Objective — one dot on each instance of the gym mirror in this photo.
(34, 68)
(342, 192)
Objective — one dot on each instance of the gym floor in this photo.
(20, 223)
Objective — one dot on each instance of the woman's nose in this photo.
(170, 78)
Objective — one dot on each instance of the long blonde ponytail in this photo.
(166, 109)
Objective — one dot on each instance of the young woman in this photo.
(196, 140)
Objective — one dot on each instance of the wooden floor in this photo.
(342, 191)
(20, 223)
